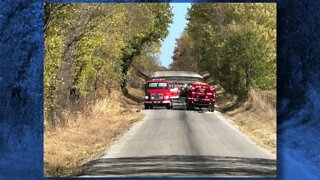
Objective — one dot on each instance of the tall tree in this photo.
(182, 55)
(89, 49)
(153, 31)
(236, 43)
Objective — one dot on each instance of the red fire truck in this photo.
(200, 95)
(157, 93)
(174, 90)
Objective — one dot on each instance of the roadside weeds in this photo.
(67, 149)
(257, 119)
(86, 137)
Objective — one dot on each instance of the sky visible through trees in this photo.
(176, 28)
(234, 42)
(22, 87)
(92, 49)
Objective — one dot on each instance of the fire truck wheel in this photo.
(189, 106)
(146, 106)
(211, 108)
(168, 106)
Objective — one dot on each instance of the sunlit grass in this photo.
(87, 136)
(257, 119)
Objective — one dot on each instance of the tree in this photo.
(235, 43)
(90, 48)
(153, 32)
(182, 55)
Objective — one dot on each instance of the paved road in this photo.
(178, 143)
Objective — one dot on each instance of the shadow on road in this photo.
(181, 166)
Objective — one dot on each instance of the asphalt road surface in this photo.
(178, 143)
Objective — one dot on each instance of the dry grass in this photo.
(135, 98)
(87, 136)
(257, 119)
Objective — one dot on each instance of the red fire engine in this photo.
(157, 93)
(200, 95)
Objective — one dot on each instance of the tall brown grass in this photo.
(86, 135)
(257, 118)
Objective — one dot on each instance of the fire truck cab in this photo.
(157, 93)
(200, 95)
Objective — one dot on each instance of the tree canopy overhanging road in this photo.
(95, 51)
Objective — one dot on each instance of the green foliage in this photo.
(54, 49)
(90, 48)
(154, 19)
(236, 43)
(183, 59)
